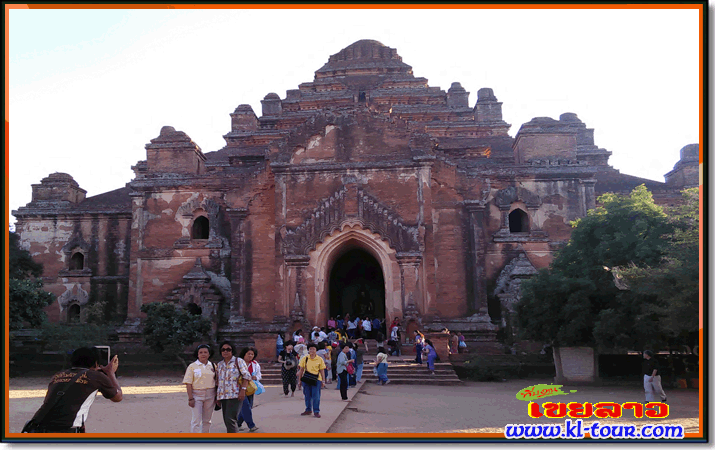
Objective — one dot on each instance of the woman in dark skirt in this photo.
(289, 367)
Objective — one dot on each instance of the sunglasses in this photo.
(226, 349)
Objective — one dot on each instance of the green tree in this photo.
(673, 284)
(27, 297)
(576, 302)
(169, 329)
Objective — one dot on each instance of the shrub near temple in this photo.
(170, 329)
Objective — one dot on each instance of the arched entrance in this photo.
(324, 261)
(357, 286)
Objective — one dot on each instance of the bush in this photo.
(65, 338)
(170, 329)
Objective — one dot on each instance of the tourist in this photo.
(341, 369)
(322, 335)
(335, 351)
(431, 353)
(381, 366)
(358, 328)
(463, 343)
(289, 368)
(367, 327)
(358, 360)
(453, 343)
(310, 375)
(380, 338)
(279, 343)
(68, 416)
(332, 336)
(339, 324)
(254, 373)
(298, 337)
(651, 379)
(331, 322)
(315, 335)
(353, 355)
(394, 342)
(351, 327)
(200, 381)
(375, 326)
(324, 353)
(227, 388)
(419, 340)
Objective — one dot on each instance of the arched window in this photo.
(200, 229)
(73, 314)
(77, 261)
(518, 221)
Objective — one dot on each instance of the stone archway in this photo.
(356, 285)
(351, 236)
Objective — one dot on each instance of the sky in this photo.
(88, 89)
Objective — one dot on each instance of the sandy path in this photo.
(158, 405)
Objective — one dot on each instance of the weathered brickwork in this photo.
(366, 157)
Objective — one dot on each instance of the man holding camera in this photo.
(71, 393)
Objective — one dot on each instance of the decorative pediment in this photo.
(508, 286)
(330, 216)
(505, 197)
(76, 242)
(73, 295)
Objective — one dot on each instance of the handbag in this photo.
(251, 388)
(350, 368)
(309, 378)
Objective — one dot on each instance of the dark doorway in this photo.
(518, 221)
(200, 229)
(73, 313)
(357, 286)
(77, 261)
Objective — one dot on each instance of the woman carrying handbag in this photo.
(310, 375)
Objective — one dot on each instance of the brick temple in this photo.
(364, 191)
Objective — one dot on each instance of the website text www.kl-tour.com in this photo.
(574, 413)
(575, 429)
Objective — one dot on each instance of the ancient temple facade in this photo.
(365, 191)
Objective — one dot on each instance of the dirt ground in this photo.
(158, 405)
(486, 407)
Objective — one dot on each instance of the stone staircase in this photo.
(400, 370)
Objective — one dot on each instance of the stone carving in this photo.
(511, 194)
(198, 289)
(378, 218)
(73, 295)
(329, 216)
(508, 286)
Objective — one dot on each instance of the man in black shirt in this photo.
(72, 392)
(651, 378)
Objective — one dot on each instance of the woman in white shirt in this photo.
(367, 327)
(352, 325)
(200, 381)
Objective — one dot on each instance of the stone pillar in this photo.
(135, 265)
(441, 344)
(237, 217)
(477, 252)
(409, 283)
(297, 296)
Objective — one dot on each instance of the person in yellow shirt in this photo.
(310, 375)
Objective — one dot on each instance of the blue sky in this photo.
(89, 88)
